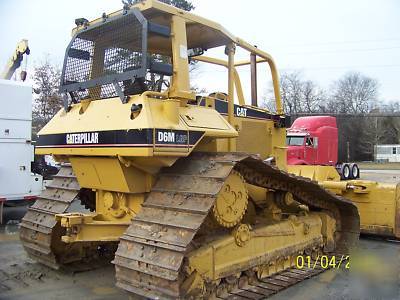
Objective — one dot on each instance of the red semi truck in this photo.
(314, 141)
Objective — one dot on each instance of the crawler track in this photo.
(150, 259)
(40, 234)
(264, 288)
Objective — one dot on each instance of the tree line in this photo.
(363, 120)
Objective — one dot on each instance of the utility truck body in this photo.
(16, 150)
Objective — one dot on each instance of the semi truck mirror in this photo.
(315, 142)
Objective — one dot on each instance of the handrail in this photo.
(223, 63)
(264, 57)
(274, 72)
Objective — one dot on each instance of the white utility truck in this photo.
(16, 150)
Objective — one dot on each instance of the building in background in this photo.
(387, 153)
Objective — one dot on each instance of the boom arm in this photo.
(15, 60)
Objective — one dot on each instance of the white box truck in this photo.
(17, 182)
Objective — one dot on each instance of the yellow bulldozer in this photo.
(192, 191)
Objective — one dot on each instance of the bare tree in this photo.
(291, 91)
(47, 100)
(312, 97)
(390, 107)
(389, 129)
(353, 93)
(298, 95)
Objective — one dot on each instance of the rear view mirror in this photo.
(315, 142)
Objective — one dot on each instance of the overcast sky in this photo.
(322, 39)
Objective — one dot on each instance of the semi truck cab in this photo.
(302, 148)
(314, 141)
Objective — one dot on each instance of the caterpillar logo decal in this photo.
(281, 121)
(241, 111)
(82, 138)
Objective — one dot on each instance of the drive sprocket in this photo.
(232, 200)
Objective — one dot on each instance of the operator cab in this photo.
(112, 58)
(132, 52)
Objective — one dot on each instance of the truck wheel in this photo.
(355, 171)
(345, 172)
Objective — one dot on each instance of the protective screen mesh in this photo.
(113, 48)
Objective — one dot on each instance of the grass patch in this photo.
(378, 166)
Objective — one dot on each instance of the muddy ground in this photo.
(374, 271)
